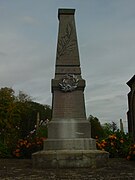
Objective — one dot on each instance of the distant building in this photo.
(131, 107)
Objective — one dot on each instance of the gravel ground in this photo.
(117, 169)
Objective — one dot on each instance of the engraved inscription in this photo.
(68, 70)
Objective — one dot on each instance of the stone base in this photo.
(70, 158)
(70, 144)
(69, 129)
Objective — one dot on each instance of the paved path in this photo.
(117, 169)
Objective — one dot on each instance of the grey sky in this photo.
(105, 29)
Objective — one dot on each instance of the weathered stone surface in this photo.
(68, 105)
(70, 144)
(69, 128)
(131, 106)
(67, 47)
(70, 158)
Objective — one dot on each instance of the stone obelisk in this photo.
(68, 106)
(69, 142)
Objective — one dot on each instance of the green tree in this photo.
(18, 116)
(96, 128)
(109, 128)
(9, 117)
(28, 112)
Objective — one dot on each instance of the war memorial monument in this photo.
(69, 142)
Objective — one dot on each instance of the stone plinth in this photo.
(70, 144)
(70, 159)
(69, 128)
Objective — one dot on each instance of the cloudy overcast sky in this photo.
(106, 38)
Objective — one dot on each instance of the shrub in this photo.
(117, 144)
(131, 154)
(4, 151)
(32, 143)
(26, 147)
(42, 131)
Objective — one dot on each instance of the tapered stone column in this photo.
(69, 142)
(68, 106)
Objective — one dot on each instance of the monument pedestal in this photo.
(68, 146)
(70, 159)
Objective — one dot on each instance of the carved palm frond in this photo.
(65, 43)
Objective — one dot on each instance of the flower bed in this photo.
(32, 143)
(118, 145)
(25, 147)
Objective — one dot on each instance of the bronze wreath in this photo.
(69, 83)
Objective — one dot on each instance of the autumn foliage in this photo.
(18, 117)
